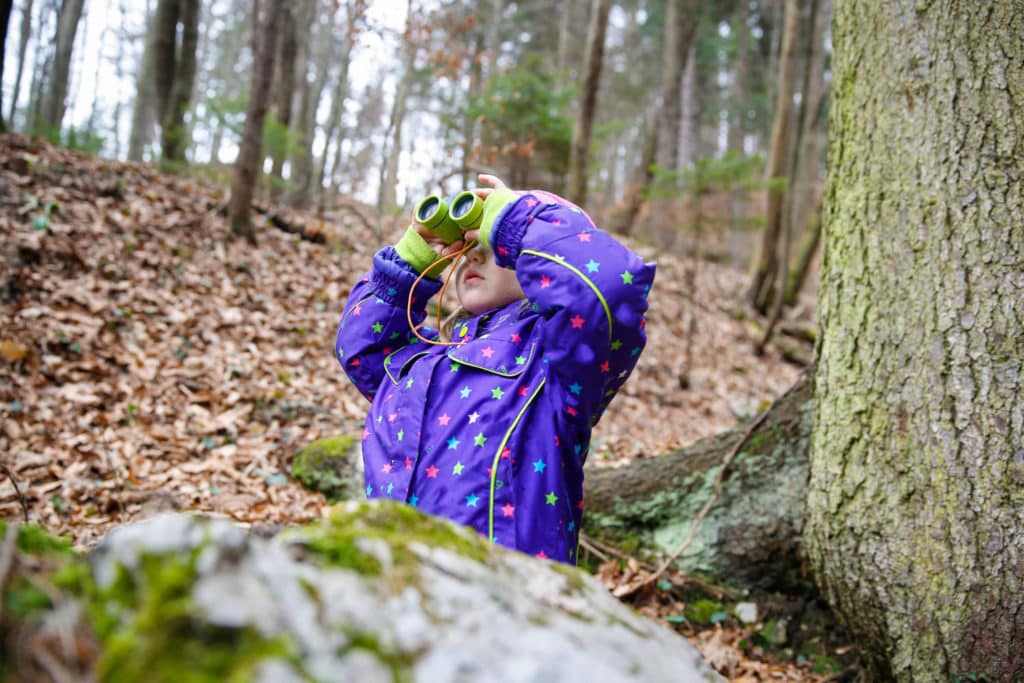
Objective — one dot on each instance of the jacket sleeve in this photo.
(374, 323)
(591, 290)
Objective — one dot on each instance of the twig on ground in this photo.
(584, 542)
(841, 675)
(17, 490)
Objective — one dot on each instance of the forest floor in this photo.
(147, 363)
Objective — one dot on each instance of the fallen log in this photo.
(750, 536)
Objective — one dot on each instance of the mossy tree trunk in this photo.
(915, 528)
(751, 536)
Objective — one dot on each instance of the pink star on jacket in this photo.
(386, 468)
(444, 420)
(516, 338)
(506, 454)
(488, 352)
(545, 281)
(541, 555)
(605, 367)
(408, 463)
(357, 310)
(523, 391)
(531, 202)
(583, 236)
(577, 322)
(366, 433)
(432, 472)
(392, 417)
(508, 509)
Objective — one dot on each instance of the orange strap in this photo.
(440, 299)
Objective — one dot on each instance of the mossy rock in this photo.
(332, 466)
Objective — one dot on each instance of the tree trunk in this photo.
(5, 18)
(247, 165)
(314, 77)
(165, 23)
(805, 175)
(579, 152)
(915, 529)
(680, 28)
(26, 34)
(564, 42)
(173, 142)
(53, 106)
(624, 219)
(809, 247)
(762, 287)
(286, 92)
(751, 536)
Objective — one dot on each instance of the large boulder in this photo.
(374, 592)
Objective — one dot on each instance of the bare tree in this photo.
(55, 96)
(144, 107)
(5, 18)
(285, 89)
(766, 271)
(579, 152)
(23, 38)
(173, 141)
(250, 151)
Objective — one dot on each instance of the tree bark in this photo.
(314, 57)
(249, 153)
(579, 152)
(25, 35)
(751, 536)
(766, 269)
(54, 104)
(173, 141)
(915, 529)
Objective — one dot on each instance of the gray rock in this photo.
(378, 592)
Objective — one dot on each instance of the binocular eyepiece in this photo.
(449, 219)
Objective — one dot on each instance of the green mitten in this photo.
(415, 251)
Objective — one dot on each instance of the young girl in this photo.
(492, 429)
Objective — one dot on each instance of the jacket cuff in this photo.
(415, 251)
(508, 232)
(493, 206)
(392, 277)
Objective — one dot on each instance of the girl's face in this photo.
(482, 285)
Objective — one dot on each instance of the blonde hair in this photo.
(447, 330)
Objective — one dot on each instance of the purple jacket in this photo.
(493, 433)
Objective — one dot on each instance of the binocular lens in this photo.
(427, 208)
(462, 206)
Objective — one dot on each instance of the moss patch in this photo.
(150, 629)
(328, 466)
(345, 538)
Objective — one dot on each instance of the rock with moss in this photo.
(374, 592)
(332, 466)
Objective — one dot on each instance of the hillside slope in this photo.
(150, 363)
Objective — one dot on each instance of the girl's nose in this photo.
(477, 255)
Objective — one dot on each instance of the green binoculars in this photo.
(449, 219)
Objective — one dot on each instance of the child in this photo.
(492, 430)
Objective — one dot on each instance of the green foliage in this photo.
(279, 140)
(523, 108)
(41, 221)
(230, 111)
